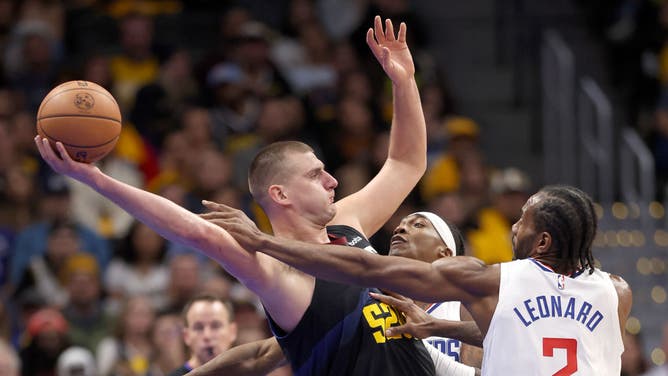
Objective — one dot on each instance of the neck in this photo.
(194, 362)
(558, 265)
(298, 228)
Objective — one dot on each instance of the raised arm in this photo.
(407, 154)
(250, 359)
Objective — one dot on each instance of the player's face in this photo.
(523, 231)
(310, 189)
(416, 238)
(209, 331)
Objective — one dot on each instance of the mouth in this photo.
(397, 239)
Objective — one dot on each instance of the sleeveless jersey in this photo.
(446, 311)
(342, 331)
(550, 324)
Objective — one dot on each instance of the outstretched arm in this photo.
(419, 324)
(407, 154)
(250, 359)
(165, 217)
(445, 279)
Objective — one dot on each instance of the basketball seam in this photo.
(81, 116)
(106, 94)
(72, 145)
(91, 89)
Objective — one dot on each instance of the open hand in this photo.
(391, 51)
(61, 162)
(235, 222)
(418, 322)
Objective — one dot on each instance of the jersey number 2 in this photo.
(571, 346)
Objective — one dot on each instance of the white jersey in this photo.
(446, 311)
(549, 324)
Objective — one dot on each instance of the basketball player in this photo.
(421, 236)
(320, 334)
(549, 312)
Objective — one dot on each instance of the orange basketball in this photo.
(82, 115)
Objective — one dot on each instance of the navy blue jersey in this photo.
(342, 331)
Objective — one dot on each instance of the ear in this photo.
(186, 335)
(234, 331)
(444, 251)
(277, 194)
(543, 242)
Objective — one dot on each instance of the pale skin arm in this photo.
(250, 359)
(407, 154)
(262, 274)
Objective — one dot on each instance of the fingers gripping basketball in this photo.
(83, 116)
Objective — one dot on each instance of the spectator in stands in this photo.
(129, 350)
(41, 277)
(76, 361)
(445, 172)
(10, 365)
(159, 103)
(139, 269)
(208, 330)
(47, 339)
(235, 107)
(491, 241)
(250, 49)
(87, 319)
(185, 278)
(54, 207)
(169, 352)
(31, 63)
(136, 65)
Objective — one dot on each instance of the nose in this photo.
(330, 181)
(401, 229)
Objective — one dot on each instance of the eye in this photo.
(418, 224)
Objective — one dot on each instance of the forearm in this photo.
(165, 217)
(255, 358)
(446, 366)
(331, 262)
(351, 265)
(408, 136)
(465, 331)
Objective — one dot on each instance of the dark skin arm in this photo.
(250, 359)
(466, 279)
(421, 325)
(471, 354)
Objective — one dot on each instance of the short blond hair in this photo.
(268, 164)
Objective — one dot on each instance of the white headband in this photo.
(442, 228)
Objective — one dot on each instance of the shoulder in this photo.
(622, 287)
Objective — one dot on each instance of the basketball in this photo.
(82, 115)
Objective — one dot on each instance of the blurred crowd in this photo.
(202, 85)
